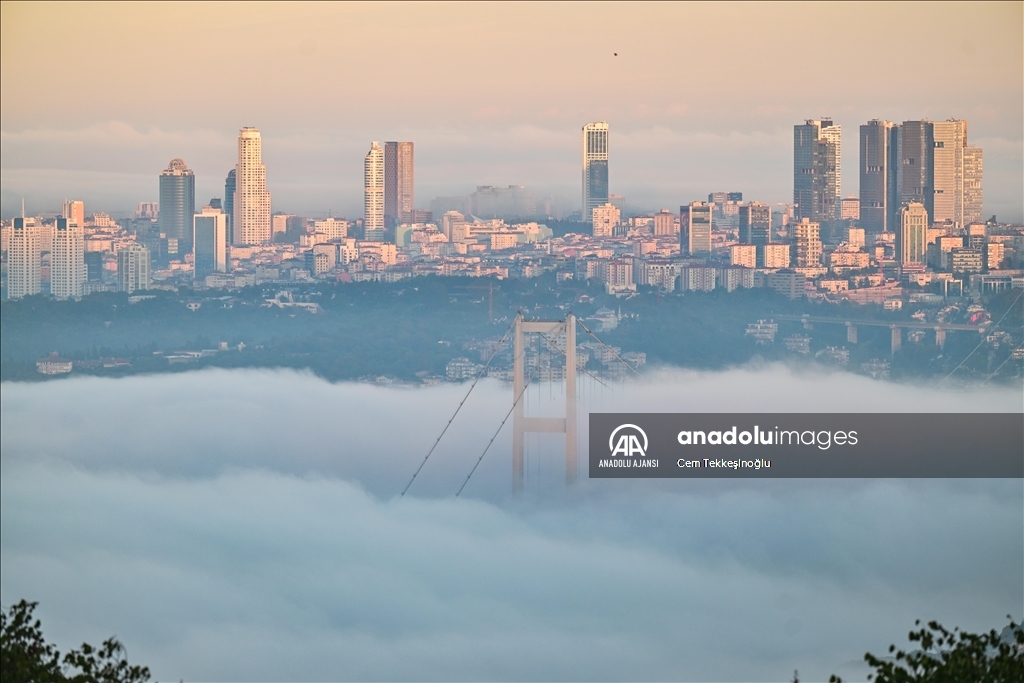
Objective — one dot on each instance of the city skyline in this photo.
(667, 146)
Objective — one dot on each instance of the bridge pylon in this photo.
(521, 423)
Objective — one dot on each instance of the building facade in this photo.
(973, 171)
(398, 183)
(595, 167)
(133, 268)
(373, 194)
(67, 260)
(879, 165)
(695, 228)
(912, 237)
(817, 179)
(229, 202)
(251, 214)
(210, 235)
(755, 223)
(24, 267)
(177, 201)
(605, 219)
(74, 211)
(807, 244)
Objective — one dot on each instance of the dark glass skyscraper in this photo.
(879, 165)
(229, 204)
(816, 171)
(398, 183)
(755, 223)
(177, 201)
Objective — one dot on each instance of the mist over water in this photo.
(246, 525)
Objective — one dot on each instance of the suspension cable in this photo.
(1007, 312)
(509, 413)
(461, 403)
(587, 330)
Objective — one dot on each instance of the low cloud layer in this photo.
(245, 525)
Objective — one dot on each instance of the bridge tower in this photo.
(521, 423)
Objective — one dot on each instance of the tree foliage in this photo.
(955, 656)
(25, 656)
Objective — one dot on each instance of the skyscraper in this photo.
(695, 228)
(209, 242)
(67, 260)
(74, 211)
(595, 167)
(817, 180)
(229, 204)
(879, 166)
(251, 214)
(915, 153)
(133, 268)
(398, 183)
(912, 237)
(373, 194)
(177, 201)
(755, 223)
(973, 171)
(949, 139)
(23, 262)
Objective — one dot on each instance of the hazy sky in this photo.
(97, 98)
(245, 525)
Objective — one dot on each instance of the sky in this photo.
(246, 525)
(95, 99)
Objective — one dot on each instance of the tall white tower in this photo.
(252, 200)
(67, 260)
(23, 262)
(595, 168)
(373, 193)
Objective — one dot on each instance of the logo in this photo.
(628, 443)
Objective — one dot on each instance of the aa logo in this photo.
(631, 441)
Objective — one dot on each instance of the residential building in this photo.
(912, 237)
(278, 223)
(398, 183)
(595, 166)
(67, 260)
(24, 267)
(210, 235)
(743, 255)
(807, 246)
(373, 194)
(74, 211)
(251, 216)
(177, 202)
(665, 223)
(332, 228)
(605, 219)
(695, 228)
(133, 268)
(849, 209)
(855, 237)
(773, 256)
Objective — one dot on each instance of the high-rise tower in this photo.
(879, 165)
(177, 202)
(398, 183)
(251, 214)
(373, 194)
(229, 203)
(67, 260)
(695, 228)
(912, 236)
(817, 180)
(916, 149)
(595, 167)
(74, 211)
(23, 262)
(755, 223)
